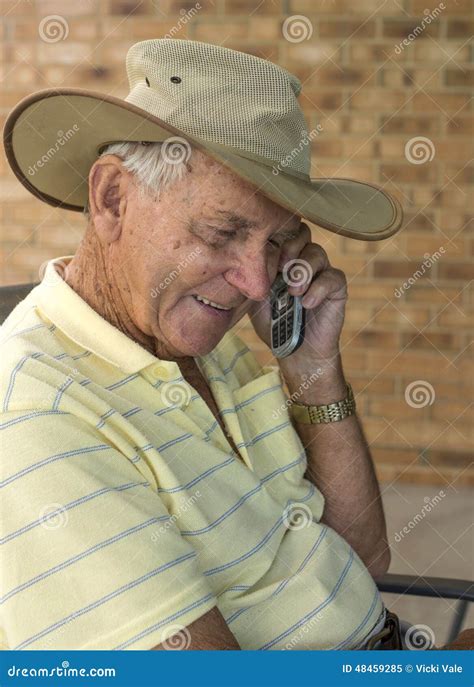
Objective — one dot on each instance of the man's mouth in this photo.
(206, 301)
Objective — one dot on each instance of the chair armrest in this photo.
(445, 587)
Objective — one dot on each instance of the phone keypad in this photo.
(275, 338)
(284, 314)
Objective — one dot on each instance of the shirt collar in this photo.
(81, 323)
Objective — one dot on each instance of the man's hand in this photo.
(306, 269)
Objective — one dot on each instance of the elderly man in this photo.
(157, 489)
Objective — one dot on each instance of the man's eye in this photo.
(277, 244)
(223, 233)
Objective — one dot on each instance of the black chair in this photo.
(446, 588)
(10, 296)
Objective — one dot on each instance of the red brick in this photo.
(459, 271)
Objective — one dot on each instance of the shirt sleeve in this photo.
(92, 558)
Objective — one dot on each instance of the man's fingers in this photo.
(330, 283)
(293, 247)
(300, 270)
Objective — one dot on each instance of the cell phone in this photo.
(288, 319)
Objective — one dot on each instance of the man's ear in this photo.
(108, 184)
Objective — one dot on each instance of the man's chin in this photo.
(197, 334)
(199, 348)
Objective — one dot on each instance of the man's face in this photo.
(209, 235)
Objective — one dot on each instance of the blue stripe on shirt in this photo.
(286, 581)
(318, 608)
(348, 640)
(51, 459)
(83, 554)
(104, 599)
(72, 504)
(249, 553)
(159, 624)
(11, 382)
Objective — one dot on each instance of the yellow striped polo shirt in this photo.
(125, 514)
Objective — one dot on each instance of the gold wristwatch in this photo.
(332, 412)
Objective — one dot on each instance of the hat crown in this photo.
(221, 95)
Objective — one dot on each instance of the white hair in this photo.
(153, 171)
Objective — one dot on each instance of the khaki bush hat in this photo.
(239, 109)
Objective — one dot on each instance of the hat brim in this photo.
(53, 137)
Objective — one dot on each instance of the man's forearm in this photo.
(340, 465)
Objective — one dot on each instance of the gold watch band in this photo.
(331, 412)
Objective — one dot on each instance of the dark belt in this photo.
(389, 636)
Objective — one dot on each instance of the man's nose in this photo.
(251, 276)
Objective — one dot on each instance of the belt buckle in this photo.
(389, 635)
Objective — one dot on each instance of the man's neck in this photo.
(88, 276)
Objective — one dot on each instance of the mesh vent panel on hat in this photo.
(224, 96)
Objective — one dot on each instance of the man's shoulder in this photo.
(29, 345)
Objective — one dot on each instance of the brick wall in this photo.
(375, 76)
